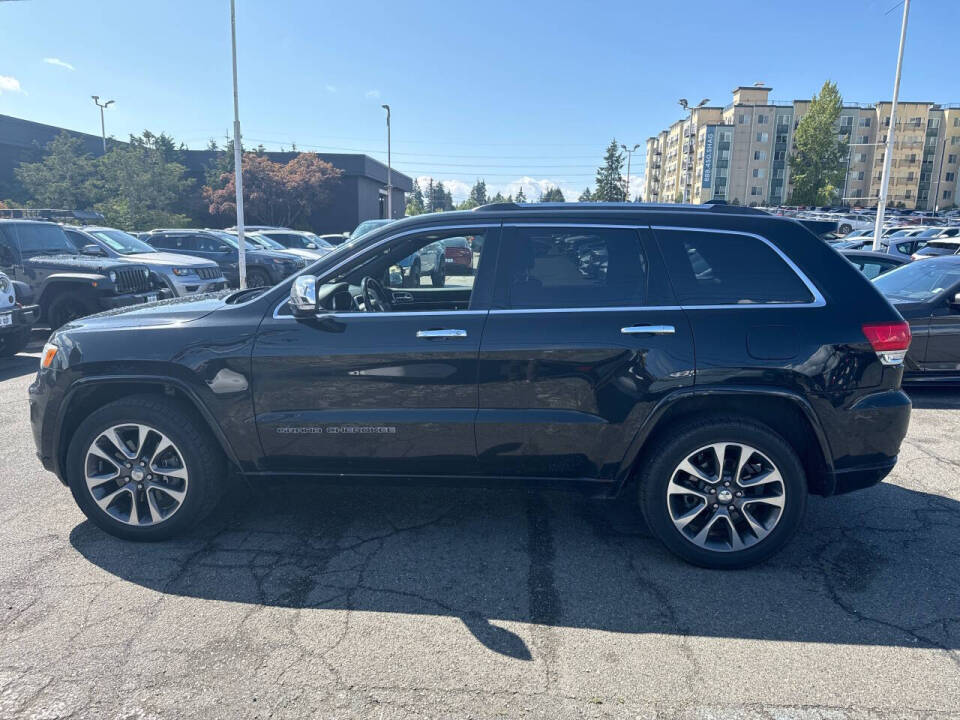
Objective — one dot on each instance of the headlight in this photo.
(146, 272)
(4, 283)
(179, 272)
(113, 276)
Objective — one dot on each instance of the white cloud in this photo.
(330, 88)
(372, 95)
(532, 188)
(9, 83)
(59, 63)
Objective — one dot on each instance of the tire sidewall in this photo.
(62, 301)
(654, 481)
(170, 425)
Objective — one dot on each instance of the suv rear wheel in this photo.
(142, 468)
(723, 493)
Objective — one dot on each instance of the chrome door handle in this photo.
(432, 334)
(648, 330)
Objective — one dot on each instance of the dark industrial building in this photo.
(361, 194)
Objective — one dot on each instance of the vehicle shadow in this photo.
(17, 366)
(870, 568)
(927, 398)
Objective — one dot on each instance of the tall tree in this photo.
(610, 182)
(478, 193)
(429, 197)
(498, 198)
(816, 168)
(415, 204)
(63, 179)
(521, 198)
(554, 194)
(276, 193)
(585, 196)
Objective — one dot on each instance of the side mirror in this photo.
(93, 249)
(955, 302)
(303, 296)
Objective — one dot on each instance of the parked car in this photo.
(428, 261)
(183, 274)
(848, 222)
(264, 242)
(299, 240)
(935, 248)
(17, 316)
(368, 226)
(531, 373)
(264, 267)
(335, 238)
(65, 283)
(927, 295)
(872, 263)
(457, 256)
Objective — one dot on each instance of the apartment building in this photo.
(740, 153)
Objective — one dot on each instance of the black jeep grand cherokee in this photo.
(717, 363)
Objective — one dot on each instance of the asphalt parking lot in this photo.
(298, 601)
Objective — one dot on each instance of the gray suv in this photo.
(183, 274)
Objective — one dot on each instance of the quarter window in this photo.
(708, 268)
(547, 267)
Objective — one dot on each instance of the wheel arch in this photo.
(788, 414)
(89, 394)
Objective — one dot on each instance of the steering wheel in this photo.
(374, 296)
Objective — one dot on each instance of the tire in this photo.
(13, 342)
(438, 277)
(258, 278)
(200, 470)
(845, 229)
(662, 511)
(414, 276)
(68, 306)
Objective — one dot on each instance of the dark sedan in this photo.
(927, 294)
(873, 264)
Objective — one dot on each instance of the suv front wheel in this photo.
(142, 468)
(723, 493)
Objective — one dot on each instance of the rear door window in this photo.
(714, 268)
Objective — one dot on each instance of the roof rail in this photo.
(719, 207)
(49, 214)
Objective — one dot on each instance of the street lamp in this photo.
(629, 152)
(237, 154)
(887, 156)
(103, 127)
(389, 177)
(686, 106)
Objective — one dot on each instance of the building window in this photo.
(846, 120)
(763, 137)
(779, 156)
(951, 159)
(758, 172)
(860, 175)
(759, 154)
(862, 157)
(864, 122)
(956, 122)
(864, 139)
(955, 140)
(947, 194)
(762, 119)
(950, 177)
(756, 190)
(886, 121)
(743, 118)
(933, 123)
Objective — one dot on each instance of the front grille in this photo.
(208, 273)
(132, 280)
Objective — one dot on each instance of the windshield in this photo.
(41, 239)
(919, 281)
(932, 232)
(263, 240)
(366, 226)
(232, 240)
(121, 242)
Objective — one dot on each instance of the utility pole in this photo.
(103, 126)
(629, 152)
(389, 176)
(237, 153)
(888, 155)
(936, 193)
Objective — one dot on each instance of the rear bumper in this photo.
(22, 317)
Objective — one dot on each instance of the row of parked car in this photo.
(55, 273)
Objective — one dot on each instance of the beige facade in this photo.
(740, 153)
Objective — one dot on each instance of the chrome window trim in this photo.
(622, 308)
(378, 243)
(818, 299)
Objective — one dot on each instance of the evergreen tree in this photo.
(585, 196)
(610, 180)
(498, 198)
(429, 197)
(816, 168)
(554, 195)
(478, 193)
(415, 204)
(64, 178)
(521, 198)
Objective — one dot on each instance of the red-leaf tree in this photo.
(275, 193)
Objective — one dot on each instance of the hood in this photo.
(80, 263)
(911, 310)
(163, 312)
(308, 255)
(170, 260)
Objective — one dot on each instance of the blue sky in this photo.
(509, 91)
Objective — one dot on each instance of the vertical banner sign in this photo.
(708, 157)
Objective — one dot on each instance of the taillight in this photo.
(889, 340)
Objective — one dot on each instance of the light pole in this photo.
(389, 177)
(103, 126)
(936, 193)
(629, 152)
(683, 103)
(237, 154)
(887, 157)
